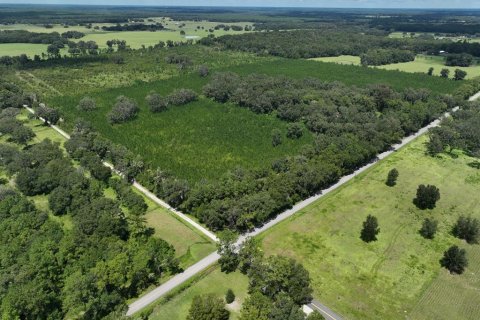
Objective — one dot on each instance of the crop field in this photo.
(201, 140)
(421, 65)
(348, 74)
(386, 279)
(212, 281)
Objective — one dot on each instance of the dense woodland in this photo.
(85, 271)
(378, 57)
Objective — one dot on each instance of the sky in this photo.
(461, 4)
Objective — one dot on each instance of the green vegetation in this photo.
(16, 49)
(421, 64)
(212, 281)
(401, 266)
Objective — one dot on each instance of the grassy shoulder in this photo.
(177, 305)
(421, 65)
(385, 279)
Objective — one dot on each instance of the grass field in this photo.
(386, 279)
(201, 140)
(399, 35)
(16, 49)
(421, 65)
(135, 39)
(212, 281)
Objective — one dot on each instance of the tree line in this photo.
(379, 57)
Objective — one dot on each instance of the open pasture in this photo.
(16, 49)
(385, 279)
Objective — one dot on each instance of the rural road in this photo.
(181, 278)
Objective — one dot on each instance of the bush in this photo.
(208, 307)
(459, 74)
(427, 197)
(22, 135)
(182, 96)
(203, 71)
(459, 60)
(467, 228)
(276, 137)
(124, 110)
(429, 228)
(455, 260)
(156, 102)
(392, 178)
(230, 296)
(444, 73)
(294, 131)
(87, 104)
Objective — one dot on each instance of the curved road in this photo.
(201, 265)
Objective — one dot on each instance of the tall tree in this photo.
(370, 229)
(227, 249)
(467, 228)
(427, 197)
(208, 307)
(392, 178)
(429, 228)
(455, 260)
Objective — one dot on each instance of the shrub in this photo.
(22, 135)
(467, 228)
(208, 307)
(156, 102)
(459, 74)
(455, 260)
(203, 71)
(87, 104)
(182, 96)
(429, 228)
(124, 110)
(294, 131)
(392, 178)
(229, 296)
(444, 73)
(427, 197)
(276, 137)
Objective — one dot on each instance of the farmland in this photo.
(385, 279)
(421, 65)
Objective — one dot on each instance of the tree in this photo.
(256, 307)
(370, 229)
(53, 51)
(430, 71)
(208, 307)
(429, 228)
(315, 315)
(392, 177)
(284, 308)
(59, 200)
(227, 249)
(22, 135)
(156, 102)
(87, 104)
(467, 228)
(444, 73)
(276, 137)
(250, 253)
(427, 197)
(50, 115)
(294, 131)
(459, 74)
(455, 260)
(229, 296)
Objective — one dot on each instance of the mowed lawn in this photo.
(421, 65)
(213, 281)
(200, 140)
(400, 272)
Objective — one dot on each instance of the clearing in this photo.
(385, 279)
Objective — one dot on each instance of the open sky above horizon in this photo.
(428, 4)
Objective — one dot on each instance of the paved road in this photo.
(327, 313)
(179, 279)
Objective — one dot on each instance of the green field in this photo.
(16, 49)
(212, 281)
(201, 140)
(399, 275)
(421, 65)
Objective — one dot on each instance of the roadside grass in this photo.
(421, 65)
(348, 74)
(16, 49)
(385, 279)
(200, 140)
(177, 304)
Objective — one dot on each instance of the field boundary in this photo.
(141, 188)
